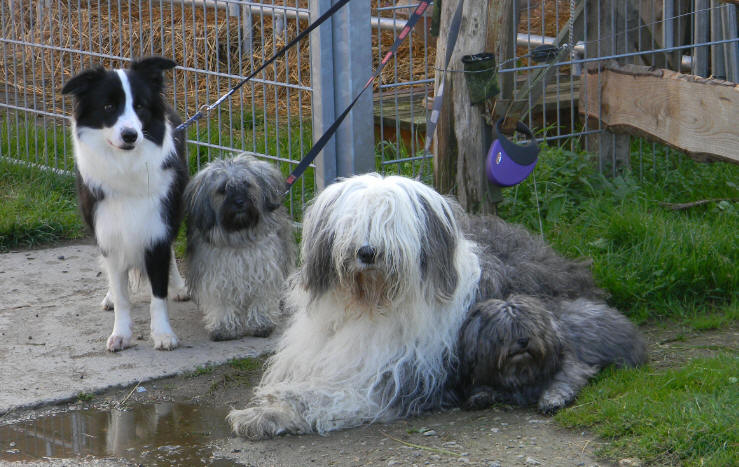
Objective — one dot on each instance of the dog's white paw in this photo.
(118, 341)
(107, 303)
(164, 340)
(265, 422)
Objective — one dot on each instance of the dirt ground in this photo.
(500, 436)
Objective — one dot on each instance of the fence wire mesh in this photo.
(217, 42)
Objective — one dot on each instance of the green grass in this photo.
(36, 207)
(200, 371)
(682, 416)
(247, 365)
(85, 397)
(243, 372)
(654, 262)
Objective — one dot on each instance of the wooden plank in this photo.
(408, 110)
(689, 113)
(404, 108)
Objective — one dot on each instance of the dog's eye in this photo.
(109, 108)
(138, 106)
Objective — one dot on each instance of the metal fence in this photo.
(283, 109)
(215, 43)
(692, 36)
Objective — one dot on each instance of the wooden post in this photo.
(463, 135)
(603, 18)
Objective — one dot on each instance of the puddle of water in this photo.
(152, 434)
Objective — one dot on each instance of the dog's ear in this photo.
(318, 272)
(153, 67)
(438, 249)
(80, 83)
(200, 213)
(273, 186)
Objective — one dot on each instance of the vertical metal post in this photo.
(600, 35)
(718, 68)
(701, 26)
(731, 49)
(668, 28)
(243, 11)
(341, 63)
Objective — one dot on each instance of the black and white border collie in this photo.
(131, 173)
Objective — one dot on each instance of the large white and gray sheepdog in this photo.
(526, 351)
(240, 246)
(389, 271)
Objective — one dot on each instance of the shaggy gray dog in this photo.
(240, 246)
(512, 260)
(527, 351)
(390, 269)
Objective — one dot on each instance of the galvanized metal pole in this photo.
(701, 34)
(718, 67)
(341, 63)
(731, 50)
(668, 28)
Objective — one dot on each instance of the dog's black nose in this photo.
(239, 202)
(523, 342)
(129, 135)
(366, 254)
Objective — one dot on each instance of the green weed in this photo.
(683, 416)
(85, 397)
(200, 371)
(653, 261)
(247, 365)
(36, 207)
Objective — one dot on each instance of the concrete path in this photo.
(53, 331)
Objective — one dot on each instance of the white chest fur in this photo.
(129, 218)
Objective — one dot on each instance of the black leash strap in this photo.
(303, 165)
(205, 109)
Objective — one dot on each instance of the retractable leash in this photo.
(508, 163)
(205, 109)
(318, 146)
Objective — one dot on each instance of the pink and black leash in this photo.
(318, 146)
(420, 9)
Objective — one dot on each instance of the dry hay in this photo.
(542, 17)
(194, 37)
(61, 39)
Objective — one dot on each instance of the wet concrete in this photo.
(165, 433)
(53, 332)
